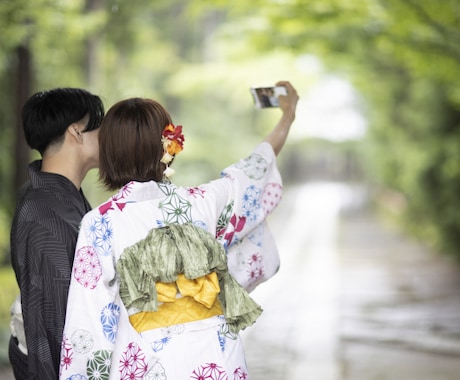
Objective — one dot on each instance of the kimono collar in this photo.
(137, 192)
(57, 183)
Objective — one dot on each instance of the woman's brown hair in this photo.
(130, 147)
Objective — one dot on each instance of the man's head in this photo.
(46, 115)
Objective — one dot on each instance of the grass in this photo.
(8, 292)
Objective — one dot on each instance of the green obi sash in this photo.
(181, 249)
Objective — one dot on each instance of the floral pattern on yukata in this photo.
(98, 366)
(271, 197)
(236, 225)
(168, 333)
(196, 192)
(255, 267)
(240, 374)
(228, 226)
(100, 233)
(66, 353)
(132, 363)
(201, 224)
(251, 203)
(110, 315)
(176, 209)
(210, 371)
(82, 341)
(86, 267)
(165, 188)
(255, 166)
(240, 262)
(224, 219)
(250, 262)
(223, 334)
(156, 373)
(117, 200)
(256, 236)
(77, 377)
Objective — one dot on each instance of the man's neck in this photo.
(66, 166)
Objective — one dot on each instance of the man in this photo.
(62, 125)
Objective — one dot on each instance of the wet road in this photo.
(353, 300)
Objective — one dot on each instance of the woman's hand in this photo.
(288, 105)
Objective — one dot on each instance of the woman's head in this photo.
(130, 146)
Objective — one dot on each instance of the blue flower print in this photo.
(168, 333)
(160, 223)
(221, 341)
(158, 345)
(201, 224)
(251, 203)
(256, 236)
(77, 377)
(110, 315)
(100, 234)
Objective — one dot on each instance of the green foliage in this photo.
(56, 31)
(4, 237)
(8, 293)
(172, 51)
(200, 58)
(6, 123)
(404, 57)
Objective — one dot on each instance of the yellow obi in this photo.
(197, 300)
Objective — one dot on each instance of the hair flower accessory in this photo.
(173, 143)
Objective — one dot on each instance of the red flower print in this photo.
(240, 374)
(66, 354)
(209, 371)
(238, 224)
(196, 191)
(132, 363)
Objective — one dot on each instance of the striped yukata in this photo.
(43, 238)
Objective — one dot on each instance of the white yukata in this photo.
(100, 342)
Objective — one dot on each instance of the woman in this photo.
(162, 273)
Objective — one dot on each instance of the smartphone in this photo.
(267, 97)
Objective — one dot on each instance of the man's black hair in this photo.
(47, 114)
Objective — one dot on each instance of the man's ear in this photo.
(74, 131)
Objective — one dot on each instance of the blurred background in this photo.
(378, 116)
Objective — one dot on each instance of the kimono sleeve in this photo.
(242, 226)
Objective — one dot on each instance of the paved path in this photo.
(353, 300)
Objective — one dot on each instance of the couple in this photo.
(159, 276)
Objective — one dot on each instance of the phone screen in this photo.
(267, 97)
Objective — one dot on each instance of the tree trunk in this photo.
(23, 91)
(91, 64)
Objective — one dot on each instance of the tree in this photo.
(404, 57)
